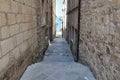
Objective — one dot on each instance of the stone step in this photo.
(57, 71)
(58, 64)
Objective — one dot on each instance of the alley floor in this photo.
(58, 64)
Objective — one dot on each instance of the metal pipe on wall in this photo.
(79, 21)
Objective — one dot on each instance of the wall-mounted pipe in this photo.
(79, 21)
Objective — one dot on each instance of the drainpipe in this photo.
(78, 40)
(62, 29)
(51, 33)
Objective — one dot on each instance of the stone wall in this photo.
(20, 34)
(72, 25)
(100, 37)
(54, 18)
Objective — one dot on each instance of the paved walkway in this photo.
(58, 64)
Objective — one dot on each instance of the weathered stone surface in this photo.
(23, 48)
(19, 18)
(99, 36)
(7, 45)
(14, 29)
(5, 32)
(24, 26)
(11, 19)
(100, 45)
(14, 6)
(22, 39)
(19, 38)
(16, 53)
(4, 62)
(5, 5)
(2, 19)
(0, 53)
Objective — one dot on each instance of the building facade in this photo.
(64, 18)
(72, 25)
(53, 19)
(25, 32)
(99, 42)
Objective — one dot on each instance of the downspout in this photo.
(78, 39)
(51, 21)
(62, 30)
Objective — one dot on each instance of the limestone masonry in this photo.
(99, 36)
(24, 35)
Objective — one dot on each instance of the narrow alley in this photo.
(59, 39)
(58, 64)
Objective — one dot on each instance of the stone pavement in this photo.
(58, 64)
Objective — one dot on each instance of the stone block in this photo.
(20, 18)
(25, 35)
(4, 62)
(14, 40)
(24, 11)
(11, 18)
(5, 5)
(29, 10)
(16, 53)
(23, 47)
(2, 19)
(0, 52)
(29, 42)
(19, 7)
(24, 27)
(116, 4)
(30, 33)
(7, 45)
(27, 18)
(5, 32)
(30, 25)
(19, 38)
(14, 6)
(14, 29)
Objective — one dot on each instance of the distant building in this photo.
(64, 18)
(48, 17)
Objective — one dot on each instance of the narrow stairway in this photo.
(58, 64)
